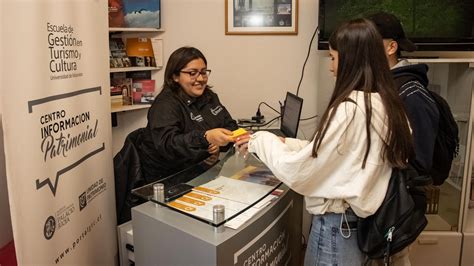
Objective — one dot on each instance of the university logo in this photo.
(82, 201)
(216, 110)
(197, 118)
(94, 190)
(49, 227)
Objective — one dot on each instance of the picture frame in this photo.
(261, 17)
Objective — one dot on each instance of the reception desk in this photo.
(164, 234)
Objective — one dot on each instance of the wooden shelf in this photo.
(441, 60)
(125, 108)
(129, 69)
(135, 30)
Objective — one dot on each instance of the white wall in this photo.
(246, 70)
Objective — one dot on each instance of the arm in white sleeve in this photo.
(299, 170)
(336, 174)
(296, 144)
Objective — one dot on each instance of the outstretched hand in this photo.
(241, 144)
(219, 136)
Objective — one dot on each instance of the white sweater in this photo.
(335, 179)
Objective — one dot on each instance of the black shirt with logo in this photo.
(174, 137)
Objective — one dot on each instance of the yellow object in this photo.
(239, 132)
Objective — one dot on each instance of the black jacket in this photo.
(128, 175)
(174, 137)
(421, 110)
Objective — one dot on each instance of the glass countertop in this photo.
(241, 186)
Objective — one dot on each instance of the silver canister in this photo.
(218, 215)
(159, 193)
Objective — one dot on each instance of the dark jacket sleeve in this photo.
(170, 141)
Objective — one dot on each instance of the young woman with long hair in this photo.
(344, 171)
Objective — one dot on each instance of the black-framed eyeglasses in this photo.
(194, 74)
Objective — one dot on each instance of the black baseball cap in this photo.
(389, 27)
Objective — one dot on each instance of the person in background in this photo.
(186, 123)
(344, 171)
(421, 109)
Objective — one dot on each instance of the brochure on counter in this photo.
(236, 195)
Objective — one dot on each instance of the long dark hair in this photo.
(363, 66)
(177, 61)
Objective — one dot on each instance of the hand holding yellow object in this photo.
(238, 132)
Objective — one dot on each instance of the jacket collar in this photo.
(197, 101)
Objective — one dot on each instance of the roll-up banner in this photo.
(57, 131)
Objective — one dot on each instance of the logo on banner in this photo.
(64, 50)
(91, 193)
(49, 227)
(58, 221)
(82, 201)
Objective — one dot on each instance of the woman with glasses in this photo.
(344, 171)
(186, 123)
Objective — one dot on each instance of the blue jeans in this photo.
(331, 242)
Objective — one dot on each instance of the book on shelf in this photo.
(140, 52)
(116, 14)
(141, 13)
(118, 54)
(124, 85)
(115, 90)
(134, 13)
(116, 98)
(143, 91)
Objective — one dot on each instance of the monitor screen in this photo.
(433, 25)
(291, 115)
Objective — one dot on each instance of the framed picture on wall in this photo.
(261, 17)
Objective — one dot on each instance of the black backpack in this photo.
(447, 140)
(396, 223)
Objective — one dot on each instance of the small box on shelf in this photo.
(143, 91)
(116, 101)
(125, 87)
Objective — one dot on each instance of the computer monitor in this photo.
(290, 119)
